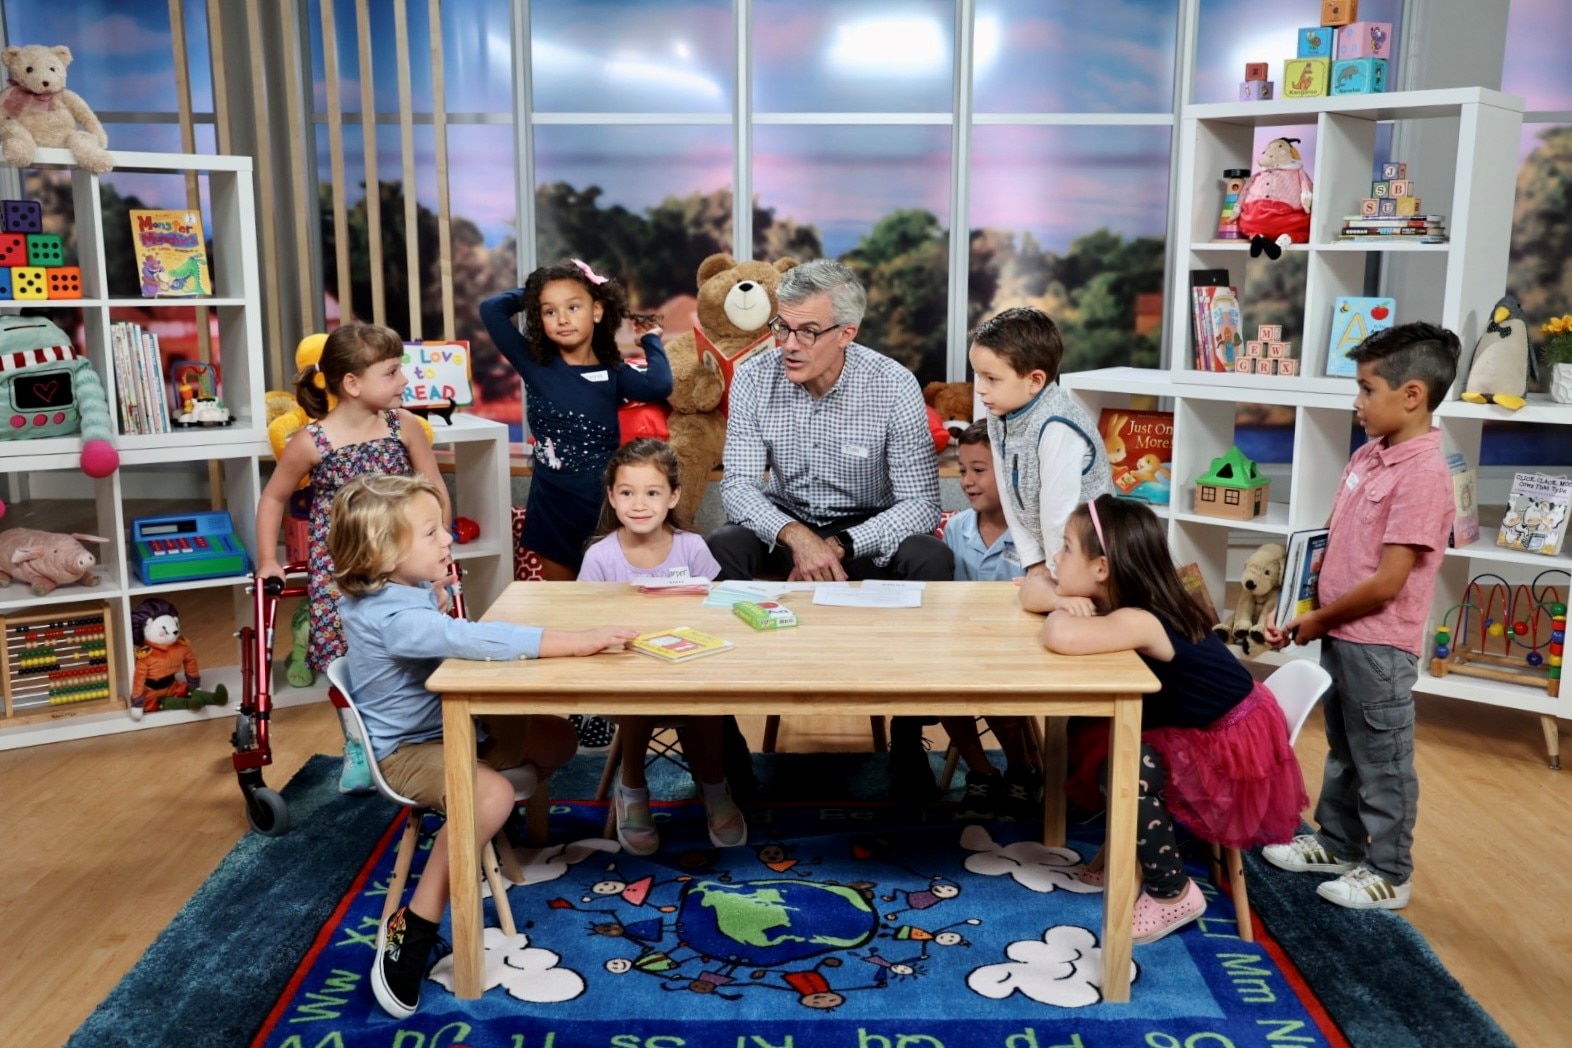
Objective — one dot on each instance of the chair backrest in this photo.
(343, 700)
(1298, 686)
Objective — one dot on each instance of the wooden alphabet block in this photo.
(1339, 12)
(1255, 349)
(1305, 77)
(28, 282)
(1287, 366)
(1255, 90)
(1244, 365)
(1255, 70)
(1401, 187)
(1390, 171)
(1365, 40)
(1380, 190)
(1277, 350)
(1269, 332)
(1264, 366)
(1388, 208)
(1369, 207)
(1315, 41)
(1408, 205)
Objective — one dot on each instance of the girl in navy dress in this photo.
(1214, 743)
(574, 382)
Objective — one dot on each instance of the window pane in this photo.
(1073, 220)
(120, 52)
(1540, 270)
(878, 199)
(1233, 32)
(1537, 66)
(1062, 58)
(632, 56)
(847, 56)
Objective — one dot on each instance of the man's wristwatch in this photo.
(844, 540)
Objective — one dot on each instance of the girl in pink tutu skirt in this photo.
(1214, 745)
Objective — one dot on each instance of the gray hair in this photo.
(825, 276)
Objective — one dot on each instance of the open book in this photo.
(1301, 574)
(679, 644)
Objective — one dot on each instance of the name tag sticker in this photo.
(854, 450)
(596, 376)
(1352, 482)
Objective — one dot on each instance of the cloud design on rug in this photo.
(1063, 969)
(528, 973)
(1035, 866)
(547, 864)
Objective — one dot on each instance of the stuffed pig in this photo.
(46, 559)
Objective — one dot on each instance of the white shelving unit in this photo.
(1454, 284)
(478, 448)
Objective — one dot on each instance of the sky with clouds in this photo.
(669, 56)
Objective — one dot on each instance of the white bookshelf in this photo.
(1454, 284)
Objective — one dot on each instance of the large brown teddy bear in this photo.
(736, 304)
(36, 110)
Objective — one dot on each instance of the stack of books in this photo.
(1429, 229)
(139, 379)
(1465, 494)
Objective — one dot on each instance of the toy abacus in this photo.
(1513, 634)
(57, 659)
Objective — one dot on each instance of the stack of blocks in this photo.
(1391, 197)
(1256, 87)
(1340, 56)
(31, 261)
(1267, 353)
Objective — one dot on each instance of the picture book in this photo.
(1536, 514)
(1302, 574)
(1140, 448)
(1204, 284)
(1465, 496)
(1355, 319)
(171, 254)
(1218, 323)
(1195, 584)
(765, 614)
(679, 644)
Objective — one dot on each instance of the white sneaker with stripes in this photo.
(1363, 889)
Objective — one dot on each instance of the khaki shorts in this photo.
(416, 770)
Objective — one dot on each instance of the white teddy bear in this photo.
(37, 110)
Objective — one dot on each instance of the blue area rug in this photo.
(842, 923)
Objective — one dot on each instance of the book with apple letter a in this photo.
(679, 644)
(1301, 575)
(1355, 319)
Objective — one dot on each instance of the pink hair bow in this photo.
(589, 274)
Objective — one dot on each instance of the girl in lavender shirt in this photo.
(641, 537)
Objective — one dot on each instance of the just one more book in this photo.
(171, 254)
(1140, 446)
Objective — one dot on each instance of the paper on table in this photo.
(672, 584)
(725, 594)
(873, 593)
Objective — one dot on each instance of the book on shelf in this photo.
(1354, 319)
(1218, 323)
(1194, 583)
(1536, 514)
(1140, 447)
(171, 254)
(139, 380)
(1203, 283)
(1465, 501)
(679, 644)
(1301, 574)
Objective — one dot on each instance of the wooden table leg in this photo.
(1121, 880)
(1055, 764)
(458, 756)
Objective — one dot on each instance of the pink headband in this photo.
(589, 274)
(1097, 525)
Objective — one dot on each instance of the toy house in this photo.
(1232, 489)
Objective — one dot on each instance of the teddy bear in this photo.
(1259, 584)
(162, 657)
(1274, 205)
(950, 408)
(736, 304)
(37, 110)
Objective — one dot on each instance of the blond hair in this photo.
(368, 528)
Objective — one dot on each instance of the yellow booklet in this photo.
(171, 253)
(679, 644)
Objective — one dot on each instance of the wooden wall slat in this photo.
(406, 128)
(368, 142)
(267, 201)
(335, 121)
(439, 127)
(302, 181)
(215, 48)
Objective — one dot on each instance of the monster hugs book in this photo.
(171, 254)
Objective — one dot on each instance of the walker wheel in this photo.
(267, 812)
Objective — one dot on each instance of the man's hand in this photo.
(813, 559)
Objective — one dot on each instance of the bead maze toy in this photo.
(1501, 632)
(57, 659)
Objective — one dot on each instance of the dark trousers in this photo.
(742, 555)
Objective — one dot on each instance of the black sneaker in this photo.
(403, 946)
(1021, 796)
(983, 794)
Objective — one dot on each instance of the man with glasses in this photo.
(830, 472)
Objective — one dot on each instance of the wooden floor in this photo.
(105, 838)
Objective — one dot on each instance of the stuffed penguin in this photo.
(1503, 359)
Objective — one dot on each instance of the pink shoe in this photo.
(1090, 877)
(1154, 919)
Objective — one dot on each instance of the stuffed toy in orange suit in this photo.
(162, 656)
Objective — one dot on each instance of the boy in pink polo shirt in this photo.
(1389, 526)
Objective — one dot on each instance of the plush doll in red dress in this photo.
(1274, 205)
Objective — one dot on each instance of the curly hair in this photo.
(614, 306)
(145, 612)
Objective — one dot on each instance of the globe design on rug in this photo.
(771, 923)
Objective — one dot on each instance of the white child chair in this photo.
(1298, 686)
(491, 857)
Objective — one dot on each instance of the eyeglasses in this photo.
(806, 337)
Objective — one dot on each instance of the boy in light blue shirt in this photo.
(984, 552)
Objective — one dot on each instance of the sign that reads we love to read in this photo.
(438, 373)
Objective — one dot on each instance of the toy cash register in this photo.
(182, 548)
